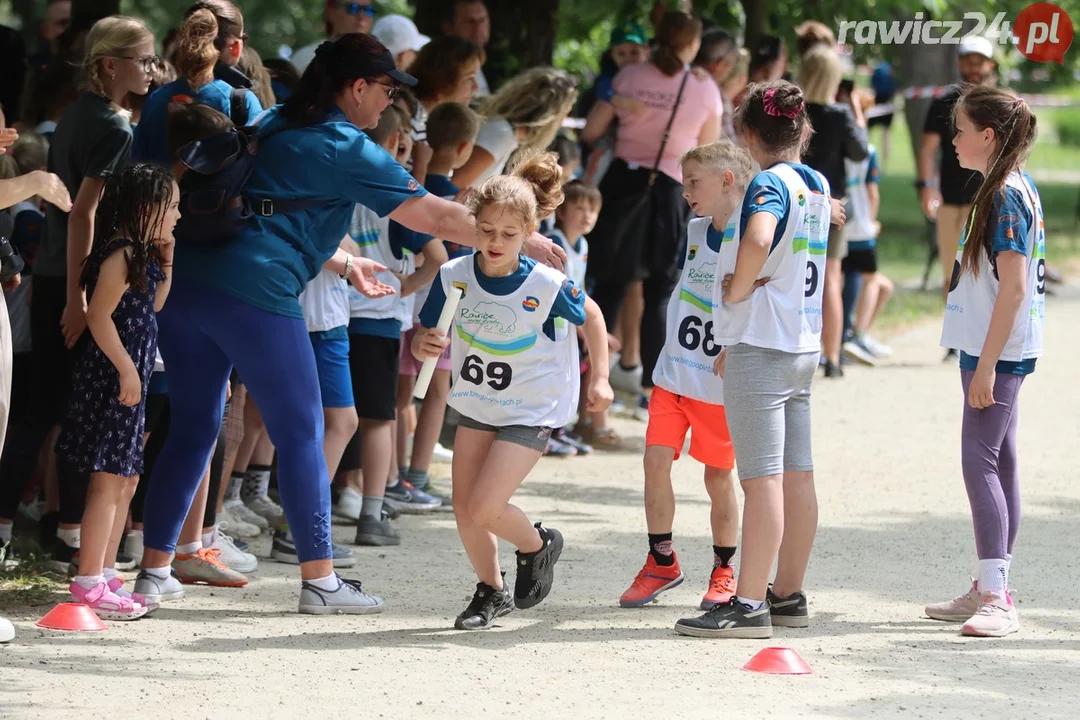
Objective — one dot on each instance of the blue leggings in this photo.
(203, 334)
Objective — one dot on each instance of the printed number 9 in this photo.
(692, 335)
(1040, 276)
(811, 279)
(499, 374)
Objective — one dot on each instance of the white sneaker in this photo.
(349, 504)
(239, 511)
(268, 509)
(237, 526)
(625, 380)
(231, 555)
(641, 412)
(7, 631)
(133, 546)
(348, 599)
(156, 589)
(879, 349)
(442, 454)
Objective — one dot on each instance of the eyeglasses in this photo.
(148, 63)
(391, 89)
(355, 8)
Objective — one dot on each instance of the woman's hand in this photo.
(429, 343)
(720, 363)
(362, 277)
(600, 395)
(981, 390)
(930, 200)
(52, 189)
(8, 136)
(545, 251)
(73, 321)
(838, 215)
(130, 386)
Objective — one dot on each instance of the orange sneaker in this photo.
(205, 566)
(650, 582)
(721, 587)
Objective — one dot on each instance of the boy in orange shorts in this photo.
(689, 396)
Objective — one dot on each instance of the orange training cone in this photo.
(71, 616)
(778, 661)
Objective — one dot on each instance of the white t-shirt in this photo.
(481, 84)
(498, 138)
(325, 302)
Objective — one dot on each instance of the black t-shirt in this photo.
(837, 137)
(92, 140)
(958, 186)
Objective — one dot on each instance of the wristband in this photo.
(921, 184)
(348, 268)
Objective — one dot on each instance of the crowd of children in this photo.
(742, 337)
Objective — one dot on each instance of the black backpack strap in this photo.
(238, 111)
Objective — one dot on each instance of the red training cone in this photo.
(778, 661)
(71, 616)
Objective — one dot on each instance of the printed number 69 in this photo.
(499, 374)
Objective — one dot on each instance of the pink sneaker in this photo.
(958, 609)
(996, 617)
(106, 604)
(116, 586)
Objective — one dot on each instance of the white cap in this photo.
(399, 34)
(975, 45)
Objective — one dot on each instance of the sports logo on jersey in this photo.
(801, 197)
(759, 200)
(530, 304)
(461, 286)
(412, 185)
(693, 252)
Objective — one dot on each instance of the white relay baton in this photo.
(445, 320)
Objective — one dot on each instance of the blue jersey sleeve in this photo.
(873, 171)
(604, 89)
(370, 176)
(767, 193)
(569, 303)
(429, 314)
(254, 107)
(402, 238)
(1010, 223)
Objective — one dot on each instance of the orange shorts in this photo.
(671, 416)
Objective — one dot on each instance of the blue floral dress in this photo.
(100, 434)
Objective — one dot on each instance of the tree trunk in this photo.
(522, 34)
(755, 20)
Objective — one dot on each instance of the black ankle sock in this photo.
(628, 368)
(658, 546)
(722, 556)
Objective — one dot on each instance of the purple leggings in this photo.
(988, 458)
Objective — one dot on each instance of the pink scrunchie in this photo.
(770, 106)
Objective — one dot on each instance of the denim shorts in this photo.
(534, 438)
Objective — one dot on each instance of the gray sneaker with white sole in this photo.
(348, 599)
(376, 532)
(156, 589)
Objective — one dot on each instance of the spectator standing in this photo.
(469, 19)
(342, 17)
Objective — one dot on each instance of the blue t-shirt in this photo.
(605, 91)
(1010, 222)
(873, 177)
(151, 144)
(273, 258)
(402, 239)
(713, 238)
(883, 81)
(568, 304)
(442, 186)
(768, 193)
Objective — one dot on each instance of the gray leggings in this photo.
(767, 401)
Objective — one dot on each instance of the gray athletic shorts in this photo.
(534, 438)
(767, 401)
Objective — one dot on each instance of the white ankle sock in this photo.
(70, 537)
(89, 582)
(188, 548)
(160, 573)
(1008, 568)
(5, 532)
(233, 493)
(329, 583)
(208, 538)
(994, 575)
(109, 573)
(752, 604)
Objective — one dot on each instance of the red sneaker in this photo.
(650, 582)
(721, 587)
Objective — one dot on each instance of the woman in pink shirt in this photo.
(637, 240)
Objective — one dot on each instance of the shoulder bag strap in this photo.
(667, 130)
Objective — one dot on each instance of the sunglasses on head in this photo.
(355, 8)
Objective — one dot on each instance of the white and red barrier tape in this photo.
(1036, 100)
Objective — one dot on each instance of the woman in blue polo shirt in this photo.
(212, 33)
(238, 304)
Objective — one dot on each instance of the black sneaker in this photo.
(729, 620)
(832, 370)
(488, 604)
(536, 571)
(791, 612)
(950, 356)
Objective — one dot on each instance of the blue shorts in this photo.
(332, 361)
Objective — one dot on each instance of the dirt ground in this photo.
(895, 533)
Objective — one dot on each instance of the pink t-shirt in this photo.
(639, 136)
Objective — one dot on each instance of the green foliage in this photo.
(1068, 128)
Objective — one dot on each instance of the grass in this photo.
(29, 581)
(903, 247)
